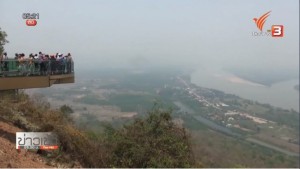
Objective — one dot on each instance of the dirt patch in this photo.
(10, 157)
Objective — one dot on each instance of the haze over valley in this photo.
(169, 83)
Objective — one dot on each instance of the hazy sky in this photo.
(209, 33)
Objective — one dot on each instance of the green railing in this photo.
(12, 67)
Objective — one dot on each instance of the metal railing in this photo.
(35, 67)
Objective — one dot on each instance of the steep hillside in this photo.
(10, 157)
(154, 141)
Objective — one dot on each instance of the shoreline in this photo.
(238, 80)
(232, 84)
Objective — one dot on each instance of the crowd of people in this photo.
(40, 63)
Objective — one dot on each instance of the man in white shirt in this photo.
(5, 56)
(61, 62)
(69, 63)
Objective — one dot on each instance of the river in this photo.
(281, 94)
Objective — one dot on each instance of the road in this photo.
(272, 147)
(205, 121)
(227, 131)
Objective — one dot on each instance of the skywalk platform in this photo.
(26, 75)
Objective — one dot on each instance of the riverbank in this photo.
(280, 94)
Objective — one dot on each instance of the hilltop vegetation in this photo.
(3, 40)
(154, 141)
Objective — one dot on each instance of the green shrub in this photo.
(151, 142)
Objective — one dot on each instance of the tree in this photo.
(151, 142)
(3, 41)
(66, 109)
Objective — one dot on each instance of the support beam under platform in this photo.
(26, 82)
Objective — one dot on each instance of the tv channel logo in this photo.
(36, 140)
(275, 31)
(31, 18)
(31, 22)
